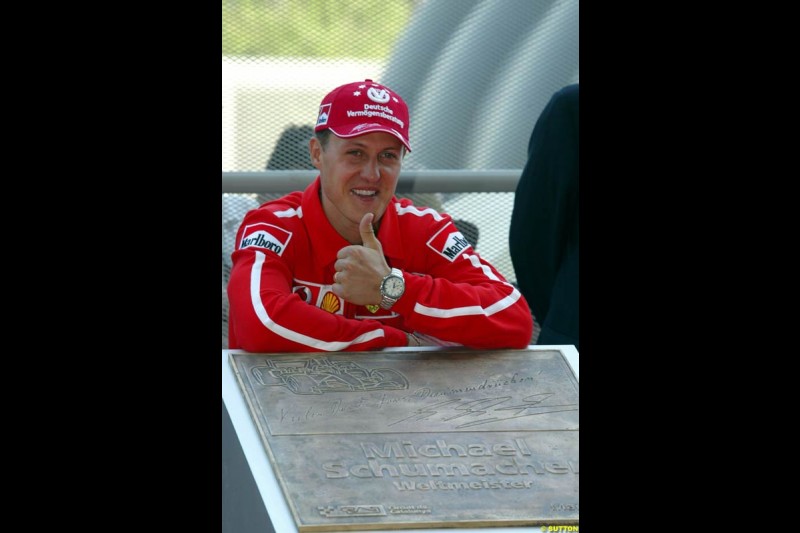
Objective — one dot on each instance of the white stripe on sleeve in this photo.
(496, 307)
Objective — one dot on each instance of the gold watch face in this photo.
(393, 287)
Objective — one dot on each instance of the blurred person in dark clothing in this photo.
(543, 238)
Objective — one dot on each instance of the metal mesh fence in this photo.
(475, 73)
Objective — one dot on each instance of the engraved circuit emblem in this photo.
(319, 376)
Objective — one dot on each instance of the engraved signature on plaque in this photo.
(318, 376)
(487, 410)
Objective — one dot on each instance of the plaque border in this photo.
(277, 504)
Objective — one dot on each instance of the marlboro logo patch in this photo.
(266, 236)
(449, 243)
(324, 114)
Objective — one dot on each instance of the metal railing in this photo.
(410, 181)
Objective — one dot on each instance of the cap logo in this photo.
(378, 95)
(324, 113)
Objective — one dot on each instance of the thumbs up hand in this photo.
(360, 269)
(368, 237)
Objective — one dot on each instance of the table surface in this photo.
(261, 468)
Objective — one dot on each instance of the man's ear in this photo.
(315, 149)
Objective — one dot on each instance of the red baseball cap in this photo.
(364, 107)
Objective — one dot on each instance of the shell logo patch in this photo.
(330, 303)
(267, 236)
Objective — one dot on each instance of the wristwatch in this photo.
(392, 287)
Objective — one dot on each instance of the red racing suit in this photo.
(280, 284)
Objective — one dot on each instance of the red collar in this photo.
(327, 240)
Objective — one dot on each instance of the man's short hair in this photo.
(324, 135)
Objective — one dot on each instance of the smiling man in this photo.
(346, 266)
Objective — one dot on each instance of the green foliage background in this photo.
(363, 29)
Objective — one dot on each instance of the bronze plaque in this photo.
(418, 438)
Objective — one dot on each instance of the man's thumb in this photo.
(368, 233)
